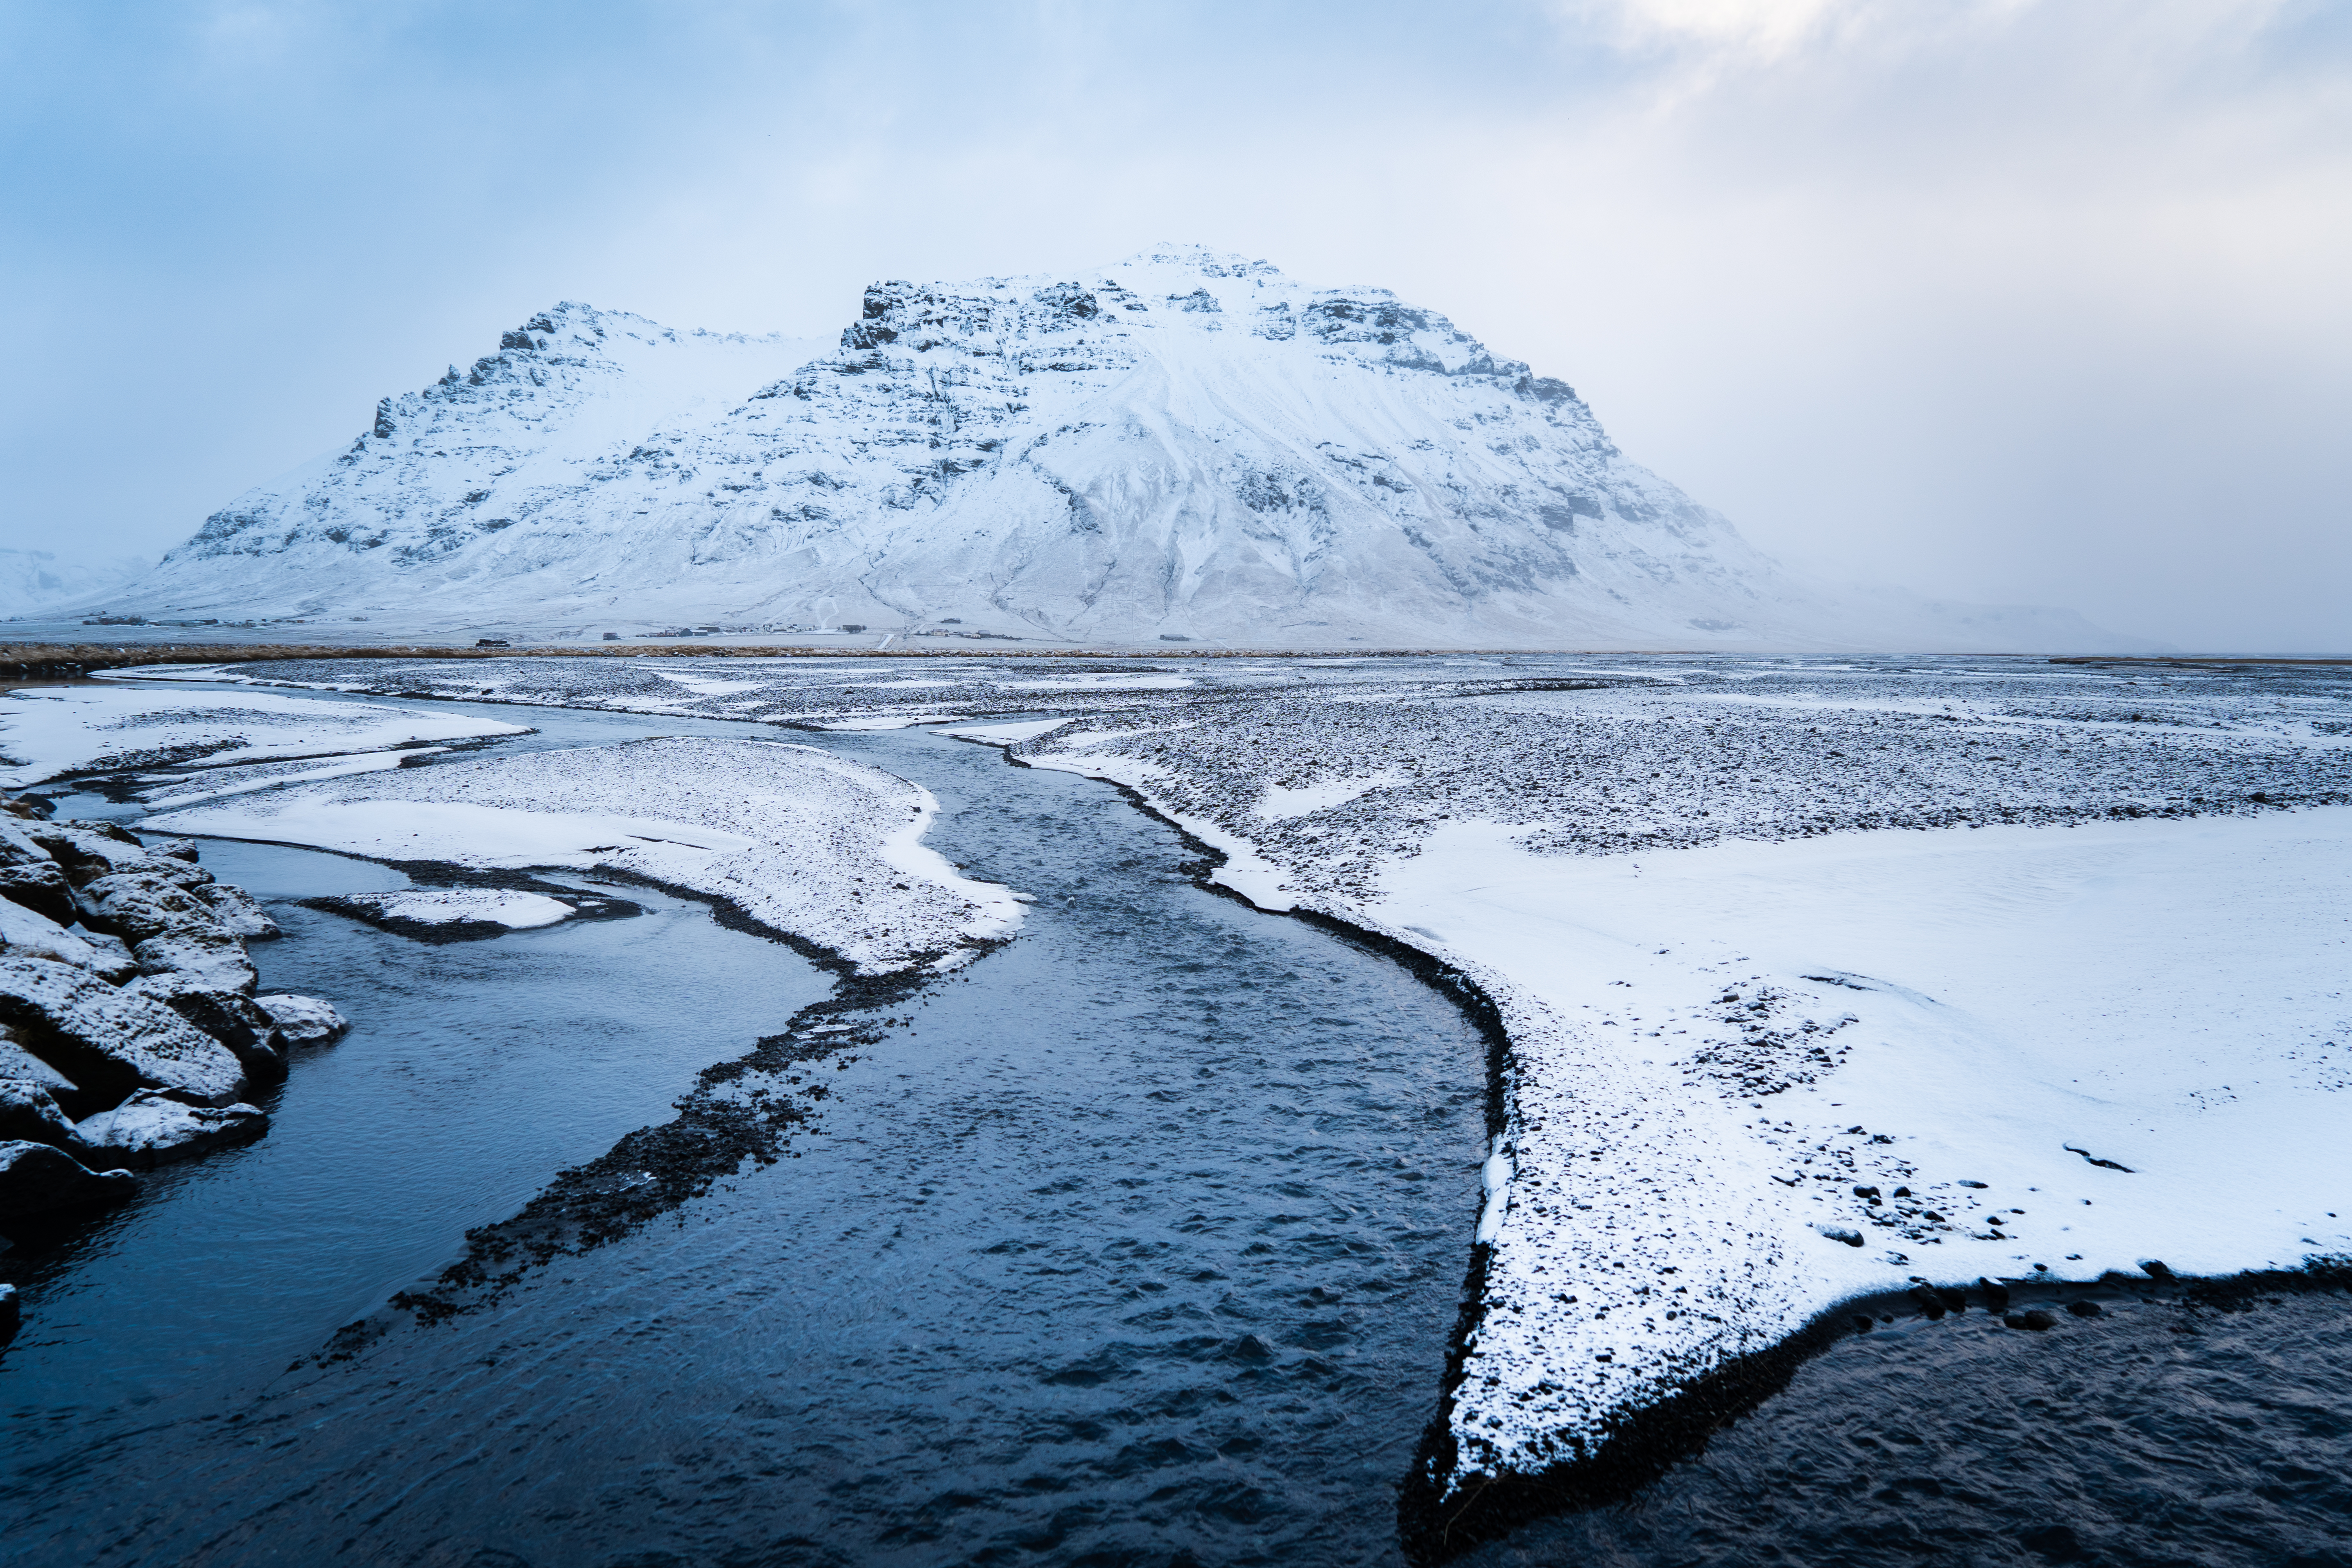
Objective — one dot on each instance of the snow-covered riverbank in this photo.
(807, 844)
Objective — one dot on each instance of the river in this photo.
(1140, 1243)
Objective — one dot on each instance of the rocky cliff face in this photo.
(1181, 446)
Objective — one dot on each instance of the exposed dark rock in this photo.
(2083, 1309)
(41, 887)
(41, 1179)
(29, 1113)
(2037, 1320)
(17, 1063)
(1996, 1295)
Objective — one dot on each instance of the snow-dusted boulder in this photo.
(30, 877)
(29, 1113)
(32, 934)
(16, 846)
(238, 912)
(214, 959)
(86, 848)
(152, 1129)
(9, 1314)
(137, 905)
(22, 1066)
(41, 887)
(304, 1020)
(112, 1043)
(116, 963)
(228, 1016)
(41, 1179)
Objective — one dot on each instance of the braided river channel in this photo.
(1139, 1242)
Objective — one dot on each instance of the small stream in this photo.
(1140, 1244)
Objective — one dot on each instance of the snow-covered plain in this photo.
(1792, 955)
(815, 846)
(50, 731)
(1180, 447)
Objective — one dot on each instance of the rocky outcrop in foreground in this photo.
(130, 1034)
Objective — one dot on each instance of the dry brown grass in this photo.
(54, 661)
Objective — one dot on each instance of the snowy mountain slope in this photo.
(31, 579)
(402, 514)
(1184, 445)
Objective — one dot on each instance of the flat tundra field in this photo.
(1820, 979)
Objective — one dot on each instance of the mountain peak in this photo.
(1185, 445)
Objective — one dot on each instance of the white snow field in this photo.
(50, 731)
(512, 908)
(1181, 447)
(1751, 1081)
(812, 845)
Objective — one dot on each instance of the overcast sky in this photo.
(2016, 301)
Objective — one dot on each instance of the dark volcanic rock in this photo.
(40, 886)
(39, 1179)
(2083, 1309)
(1996, 1295)
(29, 1113)
(16, 1062)
(112, 1043)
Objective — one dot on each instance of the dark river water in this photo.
(1140, 1245)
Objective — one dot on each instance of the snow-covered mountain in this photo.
(1181, 446)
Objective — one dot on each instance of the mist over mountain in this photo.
(31, 580)
(1182, 446)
